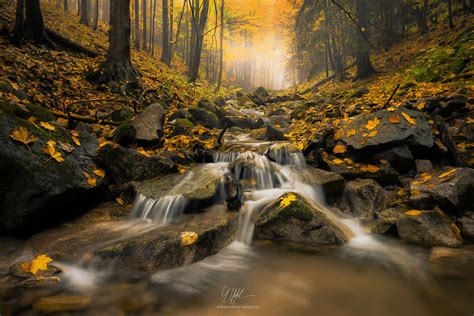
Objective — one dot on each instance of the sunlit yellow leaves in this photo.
(339, 149)
(351, 132)
(369, 168)
(408, 118)
(188, 238)
(98, 172)
(142, 151)
(286, 200)
(75, 138)
(181, 168)
(413, 213)
(22, 135)
(415, 192)
(372, 134)
(90, 179)
(337, 161)
(51, 150)
(456, 231)
(47, 126)
(391, 109)
(120, 200)
(447, 174)
(37, 264)
(395, 119)
(371, 124)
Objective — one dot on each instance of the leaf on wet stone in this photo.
(90, 179)
(408, 118)
(373, 134)
(37, 264)
(372, 168)
(339, 149)
(47, 126)
(351, 132)
(395, 119)
(22, 135)
(371, 124)
(51, 150)
(413, 213)
(456, 231)
(98, 172)
(337, 161)
(188, 238)
(286, 201)
(447, 173)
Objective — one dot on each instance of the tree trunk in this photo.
(221, 48)
(19, 30)
(196, 58)
(66, 5)
(118, 65)
(85, 12)
(30, 25)
(364, 66)
(171, 27)
(450, 14)
(165, 54)
(106, 11)
(96, 15)
(137, 25)
(144, 44)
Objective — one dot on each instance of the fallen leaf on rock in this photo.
(351, 132)
(39, 263)
(98, 172)
(372, 168)
(142, 151)
(339, 149)
(286, 201)
(371, 124)
(188, 238)
(391, 109)
(409, 118)
(394, 119)
(456, 231)
(447, 173)
(90, 179)
(372, 134)
(337, 161)
(48, 126)
(413, 213)
(23, 136)
(76, 140)
(119, 200)
(51, 150)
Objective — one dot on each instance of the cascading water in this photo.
(160, 211)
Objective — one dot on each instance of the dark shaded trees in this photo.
(166, 49)
(199, 20)
(84, 12)
(29, 24)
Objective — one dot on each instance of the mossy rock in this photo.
(125, 134)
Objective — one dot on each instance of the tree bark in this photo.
(196, 57)
(144, 41)
(221, 48)
(364, 66)
(165, 53)
(29, 24)
(96, 15)
(66, 5)
(118, 65)
(85, 12)
(137, 25)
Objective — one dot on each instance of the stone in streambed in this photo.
(364, 197)
(332, 183)
(205, 118)
(61, 303)
(428, 228)
(298, 222)
(123, 165)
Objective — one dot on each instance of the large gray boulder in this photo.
(124, 165)
(146, 128)
(364, 197)
(332, 183)
(428, 228)
(205, 118)
(298, 222)
(37, 191)
(417, 133)
(449, 188)
(200, 186)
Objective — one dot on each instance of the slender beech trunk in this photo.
(144, 25)
(137, 24)
(165, 54)
(85, 12)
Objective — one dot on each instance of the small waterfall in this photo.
(225, 156)
(284, 154)
(161, 211)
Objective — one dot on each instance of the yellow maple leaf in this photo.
(391, 109)
(285, 201)
(409, 118)
(372, 168)
(371, 124)
(351, 132)
(48, 126)
(337, 161)
(372, 134)
(40, 263)
(394, 119)
(76, 140)
(142, 151)
(339, 149)
(51, 150)
(456, 231)
(188, 238)
(90, 179)
(447, 173)
(413, 213)
(98, 172)
(23, 136)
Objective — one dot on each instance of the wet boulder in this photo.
(275, 133)
(62, 303)
(147, 128)
(204, 117)
(200, 186)
(400, 157)
(466, 224)
(411, 128)
(261, 92)
(291, 218)
(364, 198)
(332, 183)
(123, 165)
(428, 228)
(36, 190)
(449, 188)
(242, 122)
